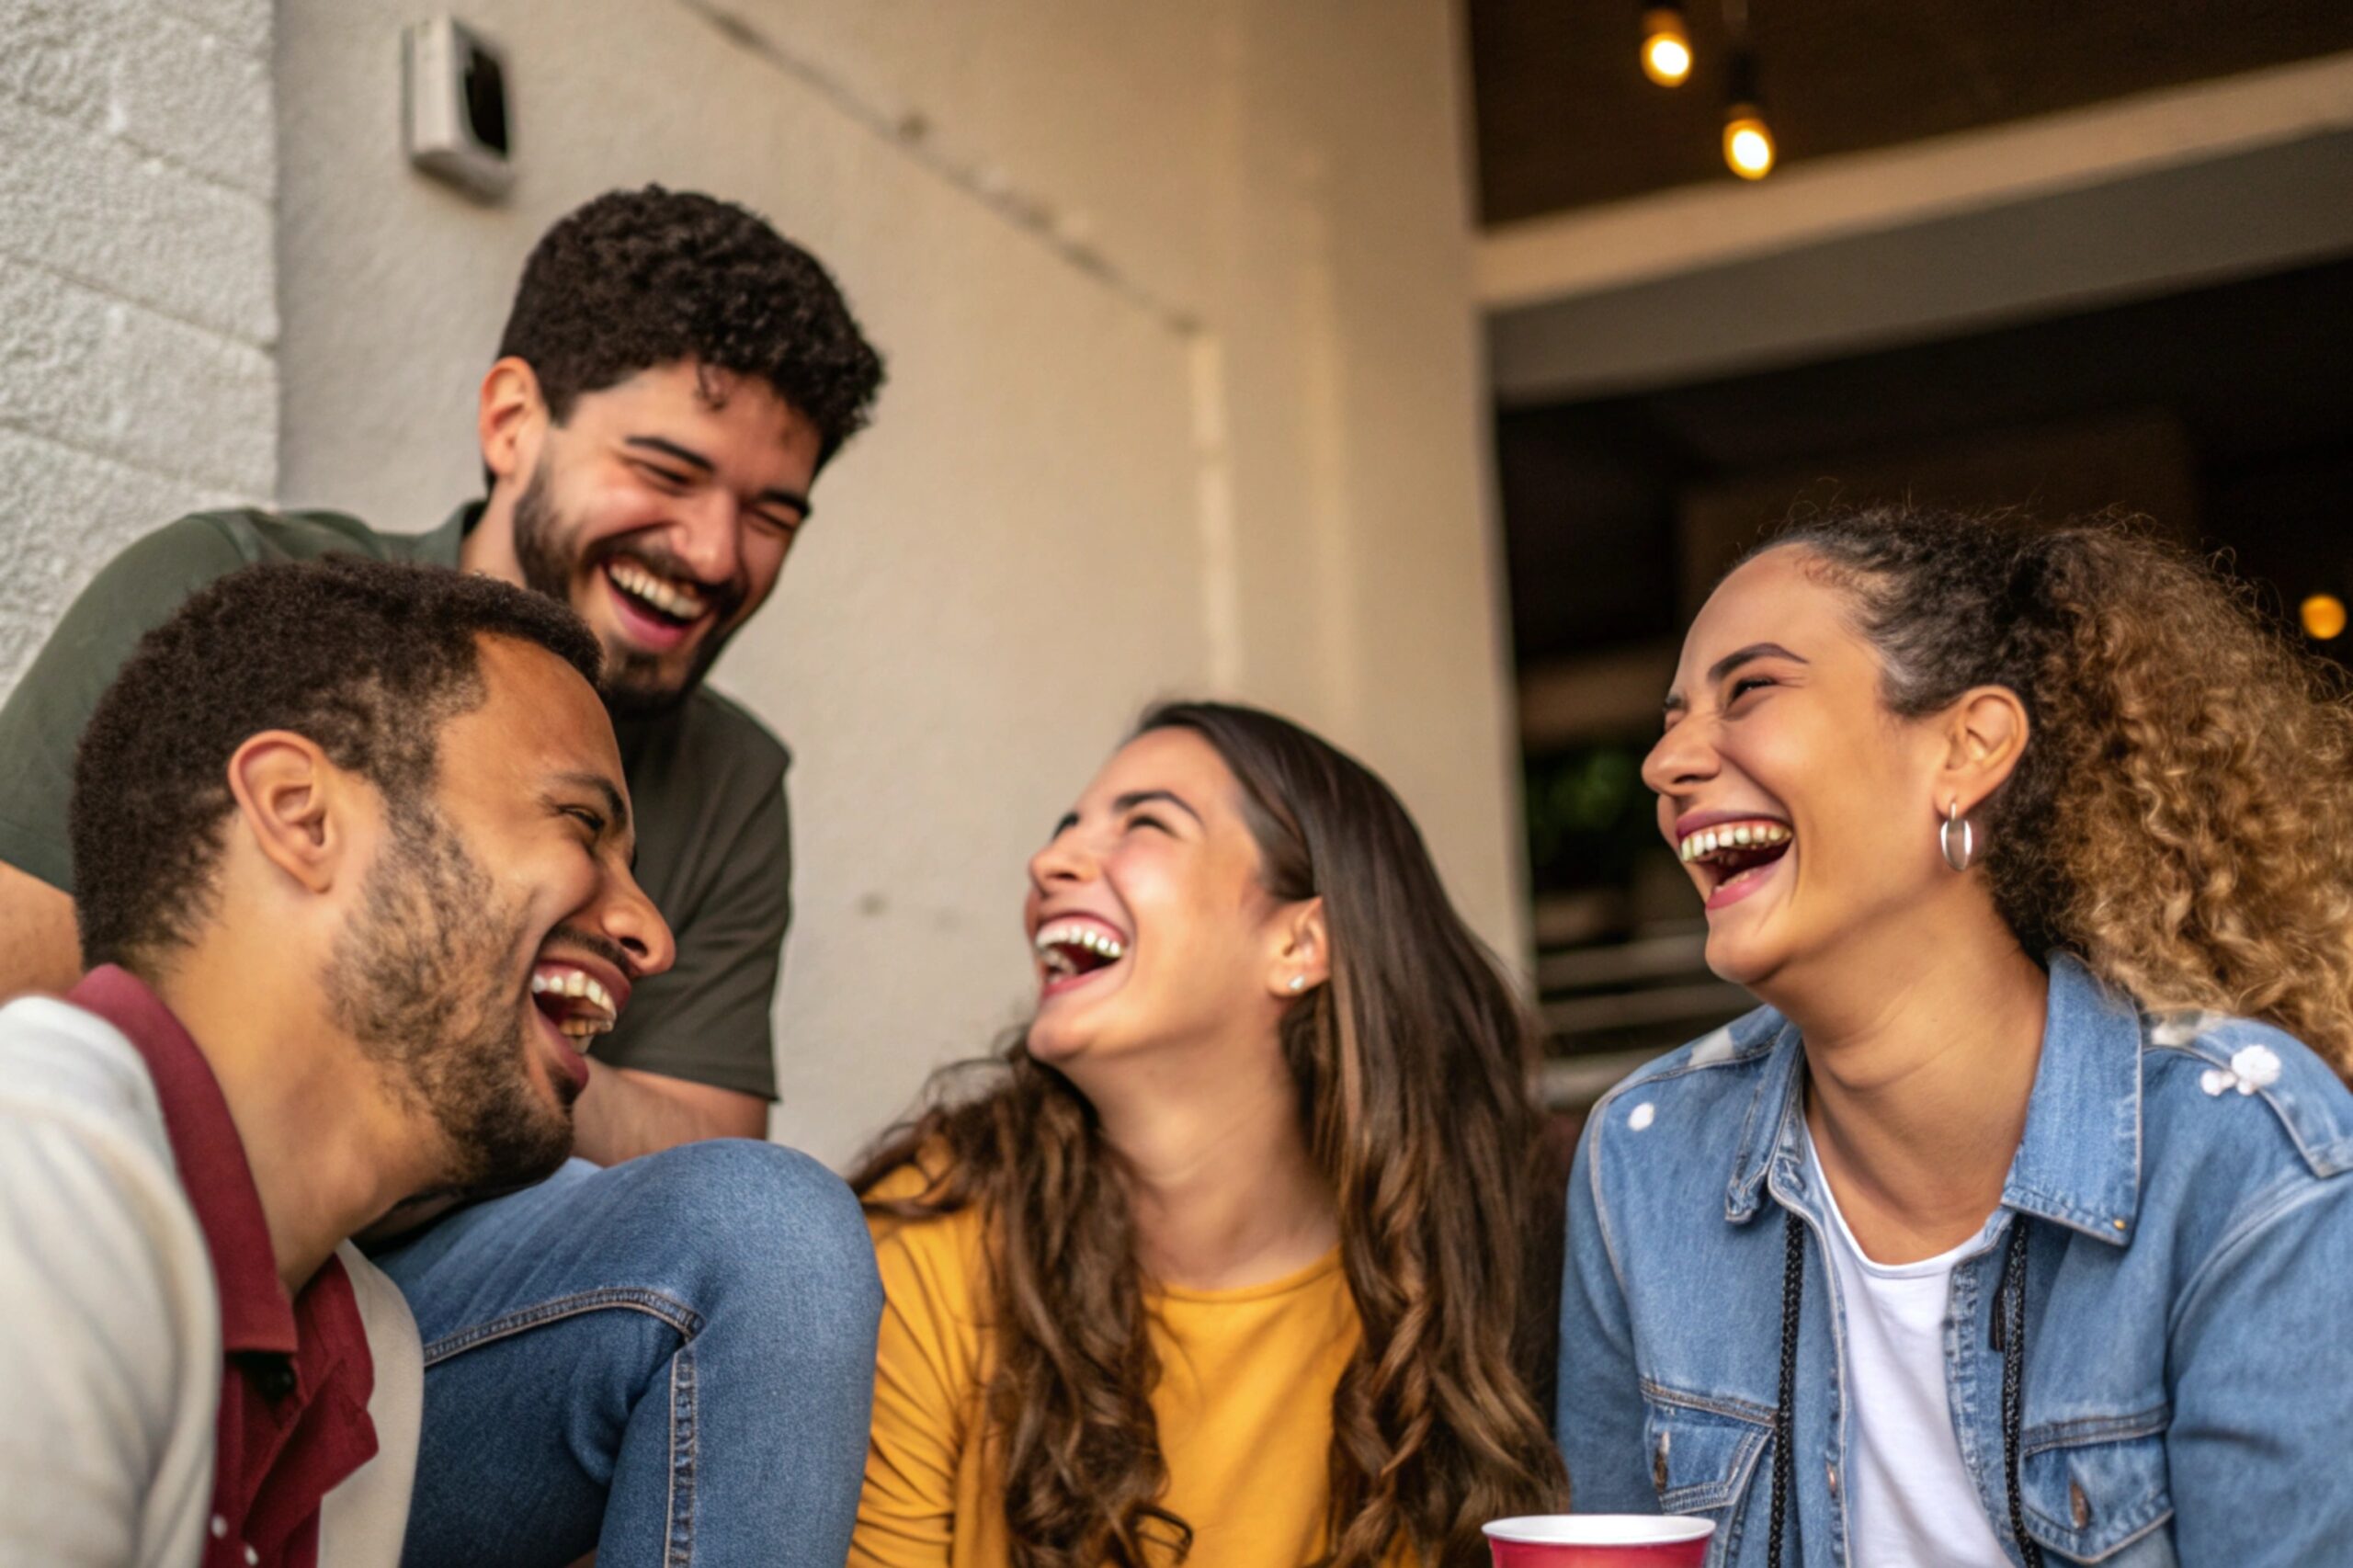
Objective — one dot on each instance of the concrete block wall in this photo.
(137, 283)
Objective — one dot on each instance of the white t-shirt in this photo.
(1910, 1503)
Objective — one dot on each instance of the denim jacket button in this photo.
(1832, 1472)
(2078, 1503)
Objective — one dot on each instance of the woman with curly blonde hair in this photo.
(2016, 1227)
(1236, 1257)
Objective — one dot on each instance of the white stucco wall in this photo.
(137, 315)
(1184, 396)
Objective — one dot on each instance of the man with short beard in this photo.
(340, 831)
(672, 377)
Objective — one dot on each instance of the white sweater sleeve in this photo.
(109, 1321)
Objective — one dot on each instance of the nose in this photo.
(709, 536)
(1065, 860)
(625, 916)
(1682, 758)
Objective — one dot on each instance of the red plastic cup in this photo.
(1600, 1540)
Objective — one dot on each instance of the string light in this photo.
(1666, 45)
(2324, 616)
(1749, 151)
(1748, 142)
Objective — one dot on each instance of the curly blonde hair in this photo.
(2182, 818)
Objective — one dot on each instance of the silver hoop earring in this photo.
(1958, 859)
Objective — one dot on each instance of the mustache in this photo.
(726, 598)
(589, 942)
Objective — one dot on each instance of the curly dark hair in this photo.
(637, 278)
(368, 658)
(2182, 818)
(1416, 1070)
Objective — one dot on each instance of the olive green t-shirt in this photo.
(706, 780)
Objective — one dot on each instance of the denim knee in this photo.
(762, 1227)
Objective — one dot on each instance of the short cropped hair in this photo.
(640, 278)
(367, 658)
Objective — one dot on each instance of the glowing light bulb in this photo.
(1666, 60)
(2324, 616)
(1667, 46)
(1748, 142)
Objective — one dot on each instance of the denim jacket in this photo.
(2188, 1389)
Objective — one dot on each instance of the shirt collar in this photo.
(2079, 1162)
(254, 1311)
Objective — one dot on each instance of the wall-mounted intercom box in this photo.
(456, 119)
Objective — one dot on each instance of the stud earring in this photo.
(1298, 983)
(1958, 857)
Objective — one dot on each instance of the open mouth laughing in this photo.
(1073, 949)
(1733, 855)
(658, 610)
(575, 1006)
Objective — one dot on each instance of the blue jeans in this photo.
(671, 1361)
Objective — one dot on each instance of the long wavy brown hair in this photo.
(2182, 817)
(1415, 1066)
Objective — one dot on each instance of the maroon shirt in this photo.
(296, 1375)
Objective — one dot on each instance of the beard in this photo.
(422, 977)
(635, 684)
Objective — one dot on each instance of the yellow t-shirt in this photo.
(1243, 1406)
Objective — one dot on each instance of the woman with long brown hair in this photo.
(1231, 1258)
(2017, 1227)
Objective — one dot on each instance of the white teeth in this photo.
(586, 988)
(670, 598)
(1728, 835)
(1077, 934)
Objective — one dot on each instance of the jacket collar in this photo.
(2079, 1163)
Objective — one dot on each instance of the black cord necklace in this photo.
(2008, 1338)
(1792, 1298)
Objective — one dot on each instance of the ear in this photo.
(287, 797)
(511, 419)
(1302, 950)
(1984, 734)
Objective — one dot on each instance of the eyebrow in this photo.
(775, 495)
(615, 804)
(1677, 702)
(1129, 803)
(1144, 797)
